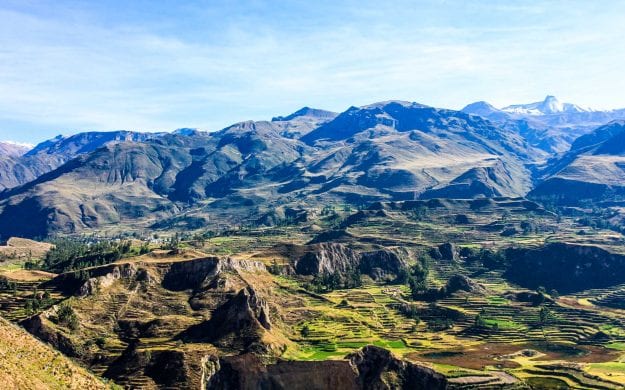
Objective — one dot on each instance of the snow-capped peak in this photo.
(11, 148)
(551, 105)
(19, 144)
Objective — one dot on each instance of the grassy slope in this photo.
(26, 363)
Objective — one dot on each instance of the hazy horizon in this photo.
(70, 132)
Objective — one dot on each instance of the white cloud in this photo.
(71, 70)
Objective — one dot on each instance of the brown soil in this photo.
(480, 356)
(23, 275)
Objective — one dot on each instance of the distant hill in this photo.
(21, 168)
(593, 170)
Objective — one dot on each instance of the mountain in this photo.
(593, 170)
(400, 149)
(48, 155)
(86, 142)
(384, 151)
(13, 149)
(550, 106)
(549, 125)
(10, 173)
(306, 112)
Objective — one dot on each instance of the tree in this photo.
(544, 316)
(305, 332)
(417, 287)
(67, 317)
(479, 322)
(145, 248)
(402, 276)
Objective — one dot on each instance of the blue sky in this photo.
(69, 66)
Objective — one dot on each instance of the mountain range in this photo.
(262, 170)
(549, 124)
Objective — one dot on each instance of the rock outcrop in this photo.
(378, 369)
(382, 264)
(446, 251)
(368, 369)
(240, 322)
(327, 258)
(463, 283)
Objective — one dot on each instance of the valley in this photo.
(159, 319)
(388, 246)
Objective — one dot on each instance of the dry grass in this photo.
(26, 363)
(24, 275)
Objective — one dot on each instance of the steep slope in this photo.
(26, 363)
(402, 149)
(123, 180)
(10, 174)
(593, 170)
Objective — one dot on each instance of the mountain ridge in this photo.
(382, 151)
(390, 150)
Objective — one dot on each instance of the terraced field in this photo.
(488, 337)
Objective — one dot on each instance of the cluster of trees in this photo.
(172, 244)
(416, 276)
(327, 282)
(73, 254)
(488, 258)
(37, 302)
(6, 284)
(601, 220)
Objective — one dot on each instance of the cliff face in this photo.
(196, 274)
(378, 369)
(327, 258)
(565, 267)
(157, 319)
(381, 264)
(370, 368)
(238, 323)
(330, 258)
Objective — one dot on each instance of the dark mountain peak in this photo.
(187, 132)
(398, 115)
(306, 112)
(599, 135)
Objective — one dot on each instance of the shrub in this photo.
(67, 317)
